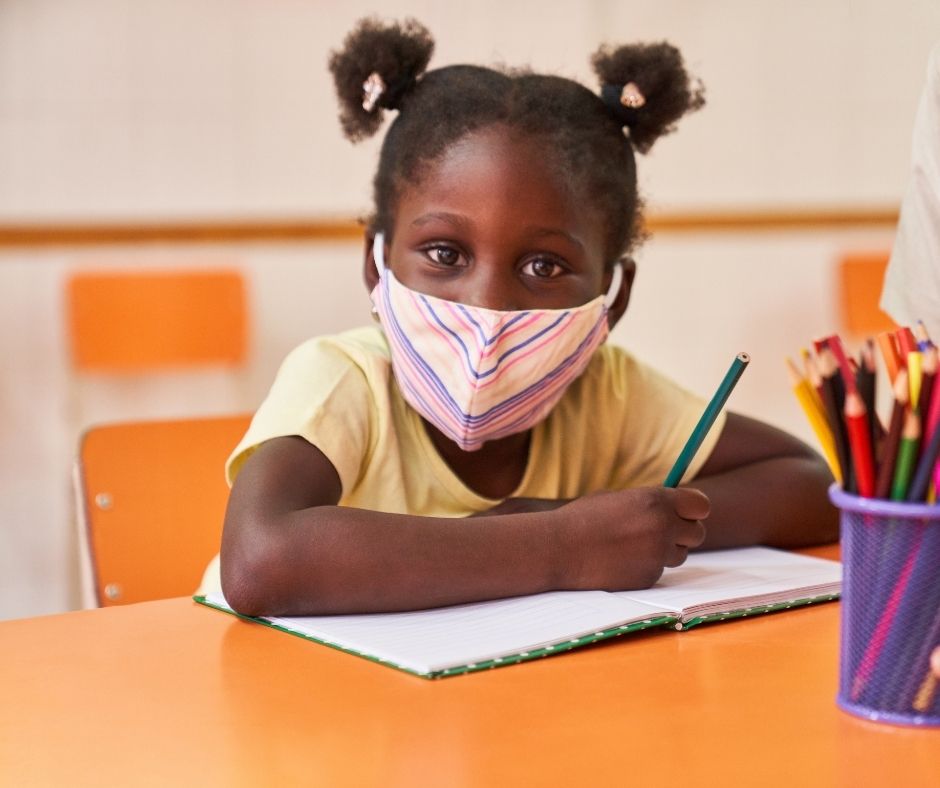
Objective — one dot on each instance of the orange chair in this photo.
(151, 499)
(146, 320)
(860, 279)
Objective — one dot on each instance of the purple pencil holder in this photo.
(890, 609)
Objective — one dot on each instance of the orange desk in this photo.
(172, 693)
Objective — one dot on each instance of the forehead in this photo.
(498, 177)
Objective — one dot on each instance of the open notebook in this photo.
(447, 641)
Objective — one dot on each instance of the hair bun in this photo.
(396, 53)
(647, 88)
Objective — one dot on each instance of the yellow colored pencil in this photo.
(816, 417)
(925, 693)
(915, 374)
(811, 373)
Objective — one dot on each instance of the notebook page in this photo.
(431, 640)
(748, 573)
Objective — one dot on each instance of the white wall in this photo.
(142, 110)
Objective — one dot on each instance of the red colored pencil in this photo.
(907, 343)
(834, 343)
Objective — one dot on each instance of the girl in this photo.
(505, 204)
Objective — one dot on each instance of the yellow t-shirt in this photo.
(620, 424)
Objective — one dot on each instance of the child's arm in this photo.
(765, 487)
(287, 549)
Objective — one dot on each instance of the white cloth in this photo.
(912, 282)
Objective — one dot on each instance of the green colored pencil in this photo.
(708, 418)
(907, 455)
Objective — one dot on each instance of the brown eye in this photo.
(444, 255)
(542, 268)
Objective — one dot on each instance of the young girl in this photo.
(505, 203)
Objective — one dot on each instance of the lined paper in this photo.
(429, 641)
(736, 578)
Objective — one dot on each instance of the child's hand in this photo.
(617, 541)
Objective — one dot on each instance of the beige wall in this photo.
(141, 110)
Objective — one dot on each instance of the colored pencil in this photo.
(859, 434)
(915, 374)
(889, 448)
(925, 693)
(907, 455)
(929, 637)
(866, 380)
(929, 364)
(816, 416)
(925, 466)
(834, 343)
(880, 633)
(889, 353)
(907, 343)
(833, 398)
(923, 338)
(707, 419)
(811, 372)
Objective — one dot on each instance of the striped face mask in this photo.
(481, 374)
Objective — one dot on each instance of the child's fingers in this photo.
(689, 533)
(935, 662)
(690, 504)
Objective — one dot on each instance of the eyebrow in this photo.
(454, 219)
(543, 232)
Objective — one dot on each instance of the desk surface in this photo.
(174, 693)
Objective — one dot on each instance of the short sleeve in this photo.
(322, 395)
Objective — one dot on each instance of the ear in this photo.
(370, 274)
(622, 299)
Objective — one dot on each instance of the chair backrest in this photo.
(152, 498)
(145, 320)
(860, 278)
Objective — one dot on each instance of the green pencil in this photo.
(907, 456)
(708, 418)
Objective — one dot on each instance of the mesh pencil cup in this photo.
(890, 609)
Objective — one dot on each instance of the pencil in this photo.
(923, 338)
(859, 433)
(707, 419)
(889, 353)
(925, 693)
(811, 372)
(925, 466)
(929, 363)
(866, 381)
(816, 417)
(834, 400)
(889, 448)
(834, 343)
(907, 455)
(915, 374)
(906, 343)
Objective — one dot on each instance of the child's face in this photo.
(491, 224)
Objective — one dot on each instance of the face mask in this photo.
(481, 374)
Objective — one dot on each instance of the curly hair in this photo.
(591, 138)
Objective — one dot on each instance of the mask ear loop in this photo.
(378, 252)
(614, 288)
